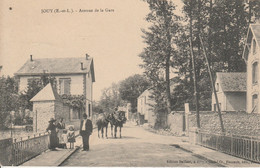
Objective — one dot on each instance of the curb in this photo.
(198, 156)
(66, 157)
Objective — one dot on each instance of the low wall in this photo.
(176, 123)
(236, 123)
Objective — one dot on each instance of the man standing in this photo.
(85, 131)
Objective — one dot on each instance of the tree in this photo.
(8, 100)
(33, 87)
(131, 88)
(223, 27)
(110, 98)
(160, 51)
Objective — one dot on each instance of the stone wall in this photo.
(236, 123)
(43, 111)
(176, 123)
(62, 111)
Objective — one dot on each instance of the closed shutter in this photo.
(67, 86)
(64, 86)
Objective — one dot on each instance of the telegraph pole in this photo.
(195, 85)
(213, 86)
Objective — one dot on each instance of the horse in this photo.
(102, 122)
(118, 120)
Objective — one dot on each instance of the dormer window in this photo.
(254, 73)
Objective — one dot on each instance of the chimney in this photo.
(87, 56)
(81, 65)
(31, 57)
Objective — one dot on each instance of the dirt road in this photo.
(137, 147)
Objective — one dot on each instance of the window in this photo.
(64, 85)
(89, 108)
(254, 47)
(254, 103)
(74, 113)
(255, 73)
(217, 87)
(246, 53)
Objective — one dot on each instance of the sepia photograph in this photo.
(129, 83)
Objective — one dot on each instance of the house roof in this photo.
(232, 81)
(48, 93)
(253, 31)
(256, 31)
(57, 66)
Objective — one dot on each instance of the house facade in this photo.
(251, 56)
(73, 76)
(231, 91)
(144, 108)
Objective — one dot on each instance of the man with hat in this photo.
(86, 128)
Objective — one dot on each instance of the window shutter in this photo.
(67, 86)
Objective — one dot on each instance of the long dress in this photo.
(61, 132)
(53, 136)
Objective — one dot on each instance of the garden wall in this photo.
(236, 123)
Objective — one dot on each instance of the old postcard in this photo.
(129, 83)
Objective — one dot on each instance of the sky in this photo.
(111, 35)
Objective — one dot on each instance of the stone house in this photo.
(251, 56)
(48, 104)
(74, 76)
(231, 91)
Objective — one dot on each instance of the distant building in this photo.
(251, 56)
(145, 103)
(144, 108)
(126, 109)
(74, 76)
(231, 91)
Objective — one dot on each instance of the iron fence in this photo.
(23, 150)
(240, 146)
(17, 151)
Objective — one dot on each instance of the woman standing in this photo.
(61, 131)
(53, 134)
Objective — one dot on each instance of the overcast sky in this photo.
(112, 38)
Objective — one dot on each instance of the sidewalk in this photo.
(53, 158)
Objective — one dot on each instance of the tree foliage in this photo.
(223, 27)
(110, 98)
(131, 88)
(157, 56)
(8, 100)
(33, 87)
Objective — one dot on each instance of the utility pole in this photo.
(193, 67)
(195, 85)
(213, 87)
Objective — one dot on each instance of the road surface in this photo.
(137, 147)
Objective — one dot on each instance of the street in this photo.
(137, 147)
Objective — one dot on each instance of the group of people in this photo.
(59, 136)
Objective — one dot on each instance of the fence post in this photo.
(251, 148)
(232, 144)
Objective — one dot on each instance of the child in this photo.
(71, 137)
